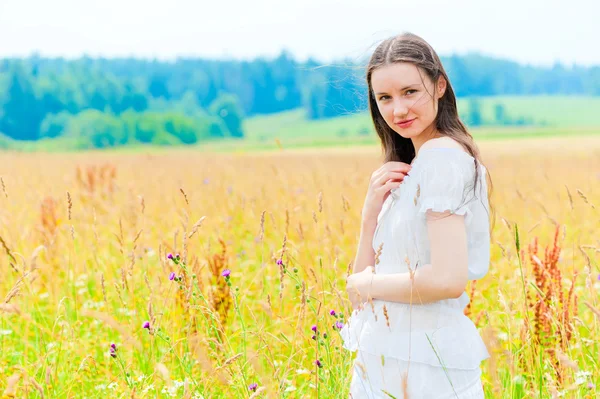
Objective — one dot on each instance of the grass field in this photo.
(83, 254)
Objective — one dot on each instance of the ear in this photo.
(441, 86)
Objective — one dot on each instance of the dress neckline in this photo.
(420, 153)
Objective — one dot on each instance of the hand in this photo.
(358, 286)
(389, 176)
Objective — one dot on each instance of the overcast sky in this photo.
(538, 32)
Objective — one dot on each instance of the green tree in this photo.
(226, 106)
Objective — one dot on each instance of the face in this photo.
(406, 98)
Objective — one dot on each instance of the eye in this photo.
(383, 97)
(410, 91)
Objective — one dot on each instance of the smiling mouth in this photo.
(406, 122)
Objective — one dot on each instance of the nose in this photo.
(400, 109)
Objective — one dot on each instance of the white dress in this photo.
(437, 346)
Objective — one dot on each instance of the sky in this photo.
(536, 32)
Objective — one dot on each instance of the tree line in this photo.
(109, 102)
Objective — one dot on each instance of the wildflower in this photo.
(279, 262)
(146, 325)
(113, 350)
(339, 325)
(170, 256)
(332, 312)
(253, 386)
(226, 273)
(318, 363)
(314, 337)
(590, 385)
(314, 328)
(172, 276)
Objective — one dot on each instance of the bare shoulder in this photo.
(442, 142)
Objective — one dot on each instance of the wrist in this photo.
(368, 225)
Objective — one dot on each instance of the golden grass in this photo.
(84, 239)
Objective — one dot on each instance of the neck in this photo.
(427, 134)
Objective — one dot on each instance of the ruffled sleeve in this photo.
(445, 181)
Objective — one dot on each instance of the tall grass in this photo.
(260, 247)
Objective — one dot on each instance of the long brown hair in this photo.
(410, 48)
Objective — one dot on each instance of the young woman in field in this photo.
(425, 232)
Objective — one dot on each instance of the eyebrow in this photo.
(404, 88)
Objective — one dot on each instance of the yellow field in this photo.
(83, 248)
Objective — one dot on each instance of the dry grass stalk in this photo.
(3, 187)
(13, 261)
(320, 202)
(387, 318)
(9, 308)
(11, 386)
(227, 362)
(467, 310)
(196, 226)
(257, 393)
(163, 371)
(593, 309)
(48, 220)
(184, 196)
(585, 199)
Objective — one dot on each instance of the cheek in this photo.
(426, 109)
(386, 112)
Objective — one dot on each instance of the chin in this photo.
(407, 134)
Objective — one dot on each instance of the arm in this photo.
(446, 277)
(365, 255)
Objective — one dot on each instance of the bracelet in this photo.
(371, 286)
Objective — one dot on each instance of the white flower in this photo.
(149, 388)
(5, 332)
(581, 377)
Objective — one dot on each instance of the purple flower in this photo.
(146, 325)
(318, 363)
(599, 277)
(332, 312)
(113, 350)
(339, 324)
(172, 276)
(314, 328)
(279, 262)
(253, 386)
(226, 273)
(314, 337)
(170, 256)
(590, 385)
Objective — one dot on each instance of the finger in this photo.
(389, 186)
(390, 175)
(398, 166)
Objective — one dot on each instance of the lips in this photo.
(405, 123)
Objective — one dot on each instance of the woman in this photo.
(425, 232)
